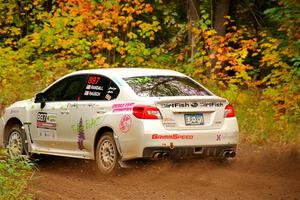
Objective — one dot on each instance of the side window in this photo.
(100, 88)
(73, 88)
(54, 93)
(66, 89)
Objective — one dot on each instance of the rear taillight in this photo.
(229, 111)
(146, 112)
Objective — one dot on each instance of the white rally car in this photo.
(115, 115)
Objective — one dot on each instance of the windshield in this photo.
(163, 86)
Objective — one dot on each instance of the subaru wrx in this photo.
(116, 115)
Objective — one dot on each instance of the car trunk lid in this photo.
(192, 112)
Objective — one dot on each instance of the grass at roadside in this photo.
(15, 173)
(258, 122)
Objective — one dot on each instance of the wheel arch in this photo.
(10, 123)
(99, 134)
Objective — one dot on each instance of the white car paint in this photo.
(135, 138)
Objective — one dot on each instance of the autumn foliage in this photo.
(42, 40)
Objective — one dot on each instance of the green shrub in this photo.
(15, 173)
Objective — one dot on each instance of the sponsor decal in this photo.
(172, 137)
(125, 123)
(108, 97)
(91, 93)
(46, 125)
(111, 90)
(94, 87)
(93, 80)
(192, 104)
(219, 137)
(47, 133)
(122, 107)
(13, 111)
(46, 120)
(81, 135)
(87, 124)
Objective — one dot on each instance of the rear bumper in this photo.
(188, 152)
(151, 137)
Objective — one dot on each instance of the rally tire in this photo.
(17, 142)
(107, 155)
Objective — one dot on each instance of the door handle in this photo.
(65, 112)
(101, 111)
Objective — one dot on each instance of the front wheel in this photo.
(107, 155)
(16, 143)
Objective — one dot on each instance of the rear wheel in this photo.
(16, 143)
(107, 155)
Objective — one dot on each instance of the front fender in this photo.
(12, 115)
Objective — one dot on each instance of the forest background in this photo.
(245, 50)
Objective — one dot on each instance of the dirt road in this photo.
(256, 173)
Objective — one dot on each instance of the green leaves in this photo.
(14, 175)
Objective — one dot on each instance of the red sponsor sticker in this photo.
(125, 123)
(93, 80)
(172, 137)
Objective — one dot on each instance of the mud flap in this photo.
(118, 146)
(28, 140)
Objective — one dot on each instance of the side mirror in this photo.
(40, 98)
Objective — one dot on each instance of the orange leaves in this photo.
(149, 8)
(225, 58)
(109, 28)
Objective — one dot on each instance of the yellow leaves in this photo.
(243, 53)
(208, 64)
(266, 45)
(15, 31)
(4, 82)
(131, 35)
(140, 60)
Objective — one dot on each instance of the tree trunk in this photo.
(221, 8)
(192, 16)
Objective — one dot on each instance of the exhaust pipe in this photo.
(157, 155)
(165, 156)
(232, 154)
(226, 154)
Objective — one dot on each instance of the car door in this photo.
(87, 113)
(50, 124)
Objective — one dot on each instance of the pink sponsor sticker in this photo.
(122, 107)
(125, 123)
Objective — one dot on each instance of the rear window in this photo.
(163, 86)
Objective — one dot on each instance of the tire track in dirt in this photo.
(256, 173)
